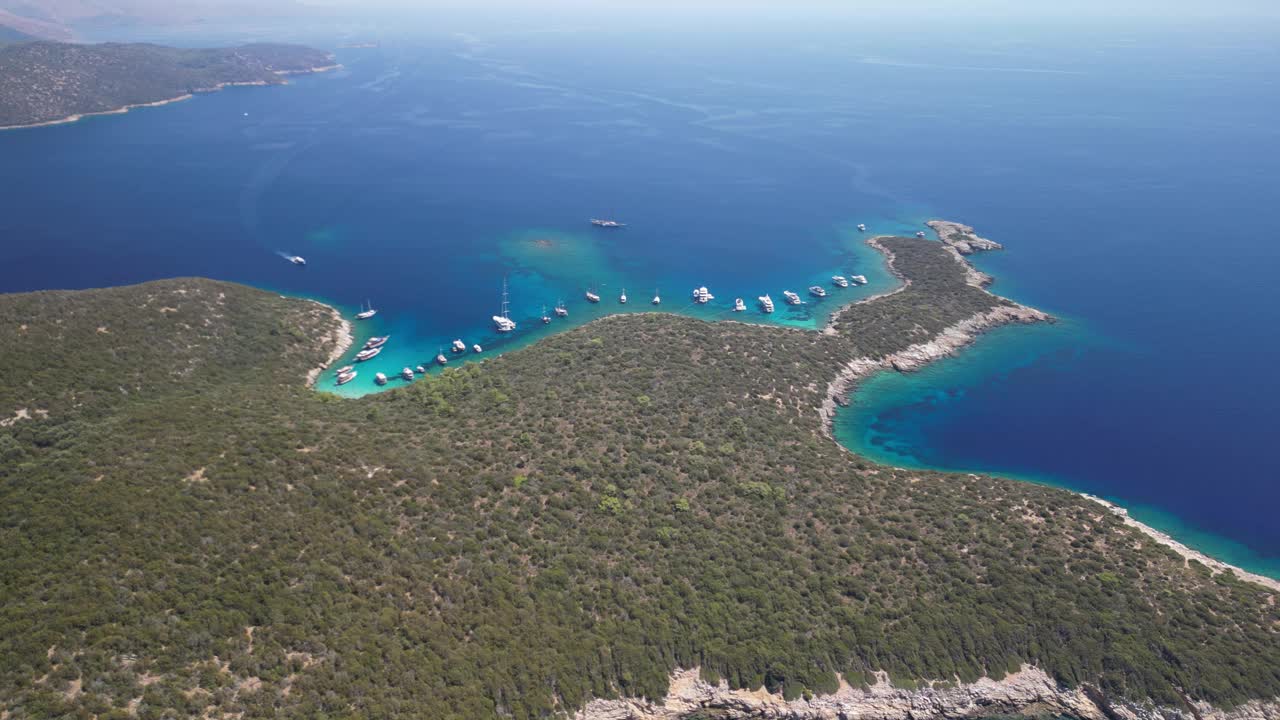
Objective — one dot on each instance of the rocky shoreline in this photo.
(1215, 566)
(340, 336)
(1028, 692)
(944, 344)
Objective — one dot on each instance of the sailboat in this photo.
(366, 312)
(623, 297)
(657, 299)
(561, 311)
(503, 321)
(546, 319)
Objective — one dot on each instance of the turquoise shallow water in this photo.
(1127, 169)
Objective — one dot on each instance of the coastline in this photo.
(341, 336)
(76, 117)
(1188, 554)
(961, 241)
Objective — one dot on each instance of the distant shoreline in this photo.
(76, 117)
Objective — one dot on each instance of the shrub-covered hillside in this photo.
(45, 81)
(508, 539)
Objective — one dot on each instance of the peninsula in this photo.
(637, 518)
(47, 83)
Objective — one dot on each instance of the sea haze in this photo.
(1129, 174)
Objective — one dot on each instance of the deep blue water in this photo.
(1129, 173)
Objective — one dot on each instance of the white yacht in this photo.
(657, 299)
(607, 223)
(366, 312)
(859, 279)
(592, 297)
(441, 359)
(376, 342)
(459, 346)
(503, 321)
(297, 260)
(344, 369)
(380, 379)
(920, 233)
(422, 369)
(623, 297)
(766, 303)
(817, 291)
(792, 298)
(407, 373)
(560, 310)
(738, 305)
(839, 281)
(477, 349)
(368, 354)
(702, 296)
(862, 227)
(347, 377)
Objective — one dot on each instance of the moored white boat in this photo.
(702, 296)
(380, 379)
(368, 354)
(766, 303)
(817, 291)
(792, 298)
(347, 377)
(503, 321)
(459, 346)
(407, 373)
(839, 281)
(738, 305)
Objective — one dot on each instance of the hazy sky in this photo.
(1155, 10)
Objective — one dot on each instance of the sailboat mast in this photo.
(505, 312)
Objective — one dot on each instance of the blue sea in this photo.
(1130, 172)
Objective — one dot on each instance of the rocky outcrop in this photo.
(1029, 692)
(962, 237)
(942, 345)
(338, 339)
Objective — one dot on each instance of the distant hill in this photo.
(29, 28)
(9, 35)
(55, 19)
(42, 82)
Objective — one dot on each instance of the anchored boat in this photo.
(702, 296)
(503, 321)
(839, 281)
(366, 312)
(738, 305)
(817, 291)
(766, 303)
(792, 298)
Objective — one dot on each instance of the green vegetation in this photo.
(44, 81)
(187, 529)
